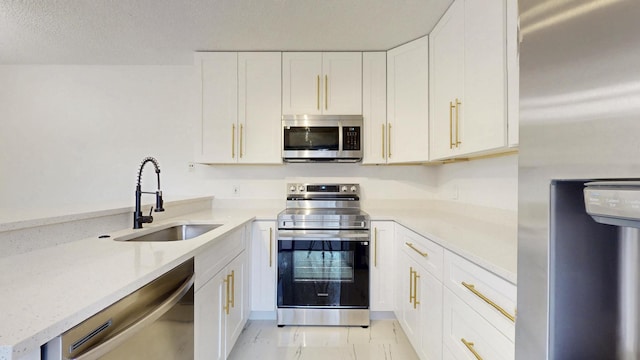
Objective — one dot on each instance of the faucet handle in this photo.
(150, 211)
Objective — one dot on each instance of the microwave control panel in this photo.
(351, 138)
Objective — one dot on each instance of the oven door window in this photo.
(320, 273)
(311, 138)
(326, 264)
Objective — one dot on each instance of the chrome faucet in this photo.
(138, 218)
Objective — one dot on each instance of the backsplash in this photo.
(29, 235)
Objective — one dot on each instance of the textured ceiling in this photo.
(168, 31)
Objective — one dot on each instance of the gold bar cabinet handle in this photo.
(389, 140)
(416, 302)
(382, 142)
(451, 106)
(226, 303)
(424, 254)
(233, 141)
(270, 246)
(318, 92)
(375, 247)
(458, 103)
(233, 289)
(472, 288)
(410, 285)
(241, 131)
(469, 346)
(326, 92)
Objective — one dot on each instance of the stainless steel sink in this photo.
(171, 233)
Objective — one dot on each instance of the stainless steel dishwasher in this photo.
(154, 322)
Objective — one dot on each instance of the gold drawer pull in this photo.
(226, 303)
(472, 288)
(451, 106)
(416, 250)
(469, 346)
(233, 141)
(233, 289)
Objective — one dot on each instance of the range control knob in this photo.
(300, 188)
(354, 188)
(344, 189)
(292, 188)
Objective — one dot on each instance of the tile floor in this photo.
(383, 340)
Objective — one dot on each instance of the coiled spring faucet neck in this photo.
(138, 218)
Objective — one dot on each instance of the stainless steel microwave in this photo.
(317, 138)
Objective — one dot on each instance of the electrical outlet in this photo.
(192, 167)
(236, 190)
(454, 192)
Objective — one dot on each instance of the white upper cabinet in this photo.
(447, 80)
(219, 76)
(407, 132)
(374, 107)
(259, 111)
(241, 112)
(469, 107)
(322, 83)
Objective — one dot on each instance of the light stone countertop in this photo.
(46, 292)
(490, 244)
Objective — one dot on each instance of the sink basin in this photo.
(171, 233)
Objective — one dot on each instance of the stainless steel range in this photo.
(323, 256)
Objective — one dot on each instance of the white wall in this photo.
(491, 182)
(72, 138)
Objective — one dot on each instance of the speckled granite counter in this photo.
(47, 291)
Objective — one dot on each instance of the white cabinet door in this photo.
(382, 265)
(408, 102)
(219, 107)
(484, 108)
(209, 319)
(408, 312)
(446, 50)
(513, 73)
(429, 300)
(259, 107)
(263, 266)
(342, 83)
(301, 82)
(241, 102)
(236, 316)
(419, 299)
(374, 107)
(466, 333)
(474, 79)
(322, 83)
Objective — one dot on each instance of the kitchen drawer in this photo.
(494, 298)
(424, 251)
(217, 255)
(462, 324)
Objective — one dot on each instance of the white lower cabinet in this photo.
(381, 266)
(221, 299)
(263, 268)
(419, 292)
(469, 336)
(479, 311)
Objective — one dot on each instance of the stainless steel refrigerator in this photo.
(579, 121)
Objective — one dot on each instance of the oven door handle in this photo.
(330, 235)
